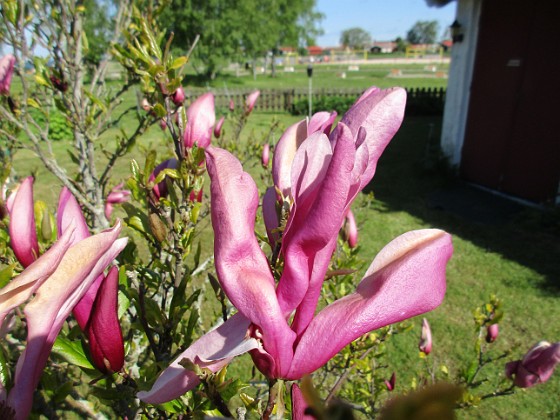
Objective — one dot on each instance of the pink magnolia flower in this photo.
(96, 312)
(492, 333)
(231, 105)
(350, 230)
(425, 344)
(58, 280)
(118, 195)
(265, 158)
(537, 366)
(200, 122)
(218, 128)
(251, 101)
(407, 278)
(178, 96)
(6, 72)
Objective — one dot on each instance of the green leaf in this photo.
(135, 169)
(6, 274)
(178, 63)
(124, 304)
(159, 110)
(73, 352)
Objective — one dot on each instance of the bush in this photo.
(59, 127)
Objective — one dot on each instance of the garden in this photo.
(164, 254)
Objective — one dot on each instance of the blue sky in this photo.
(383, 19)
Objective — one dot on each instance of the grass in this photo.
(514, 258)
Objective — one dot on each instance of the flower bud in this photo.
(179, 96)
(265, 155)
(425, 344)
(218, 127)
(250, 102)
(492, 333)
(200, 121)
(350, 230)
(146, 106)
(390, 384)
(6, 72)
(231, 105)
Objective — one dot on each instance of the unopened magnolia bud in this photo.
(146, 106)
(390, 384)
(179, 96)
(265, 155)
(158, 228)
(492, 333)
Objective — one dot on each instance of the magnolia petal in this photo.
(104, 330)
(7, 63)
(313, 226)
(176, 380)
(299, 405)
(381, 113)
(69, 212)
(19, 289)
(284, 154)
(410, 282)
(251, 101)
(52, 304)
(201, 118)
(321, 121)
(270, 216)
(23, 234)
(242, 267)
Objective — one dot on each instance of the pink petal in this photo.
(104, 330)
(406, 279)
(284, 154)
(321, 121)
(23, 234)
(200, 122)
(270, 216)
(20, 289)
(53, 302)
(316, 218)
(299, 405)
(241, 265)
(69, 212)
(380, 112)
(218, 346)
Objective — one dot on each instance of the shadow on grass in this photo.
(409, 179)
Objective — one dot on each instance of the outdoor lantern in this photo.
(310, 70)
(456, 32)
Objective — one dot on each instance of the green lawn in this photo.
(515, 259)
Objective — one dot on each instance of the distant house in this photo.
(446, 44)
(383, 47)
(500, 126)
(314, 50)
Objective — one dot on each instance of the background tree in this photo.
(423, 32)
(232, 30)
(355, 38)
(98, 27)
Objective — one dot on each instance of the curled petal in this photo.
(241, 265)
(104, 330)
(213, 351)
(70, 213)
(201, 118)
(316, 218)
(284, 154)
(537, 366)
(380, 113)
(406, 279)
(53, 302)
(23, 234)
(321, 121)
